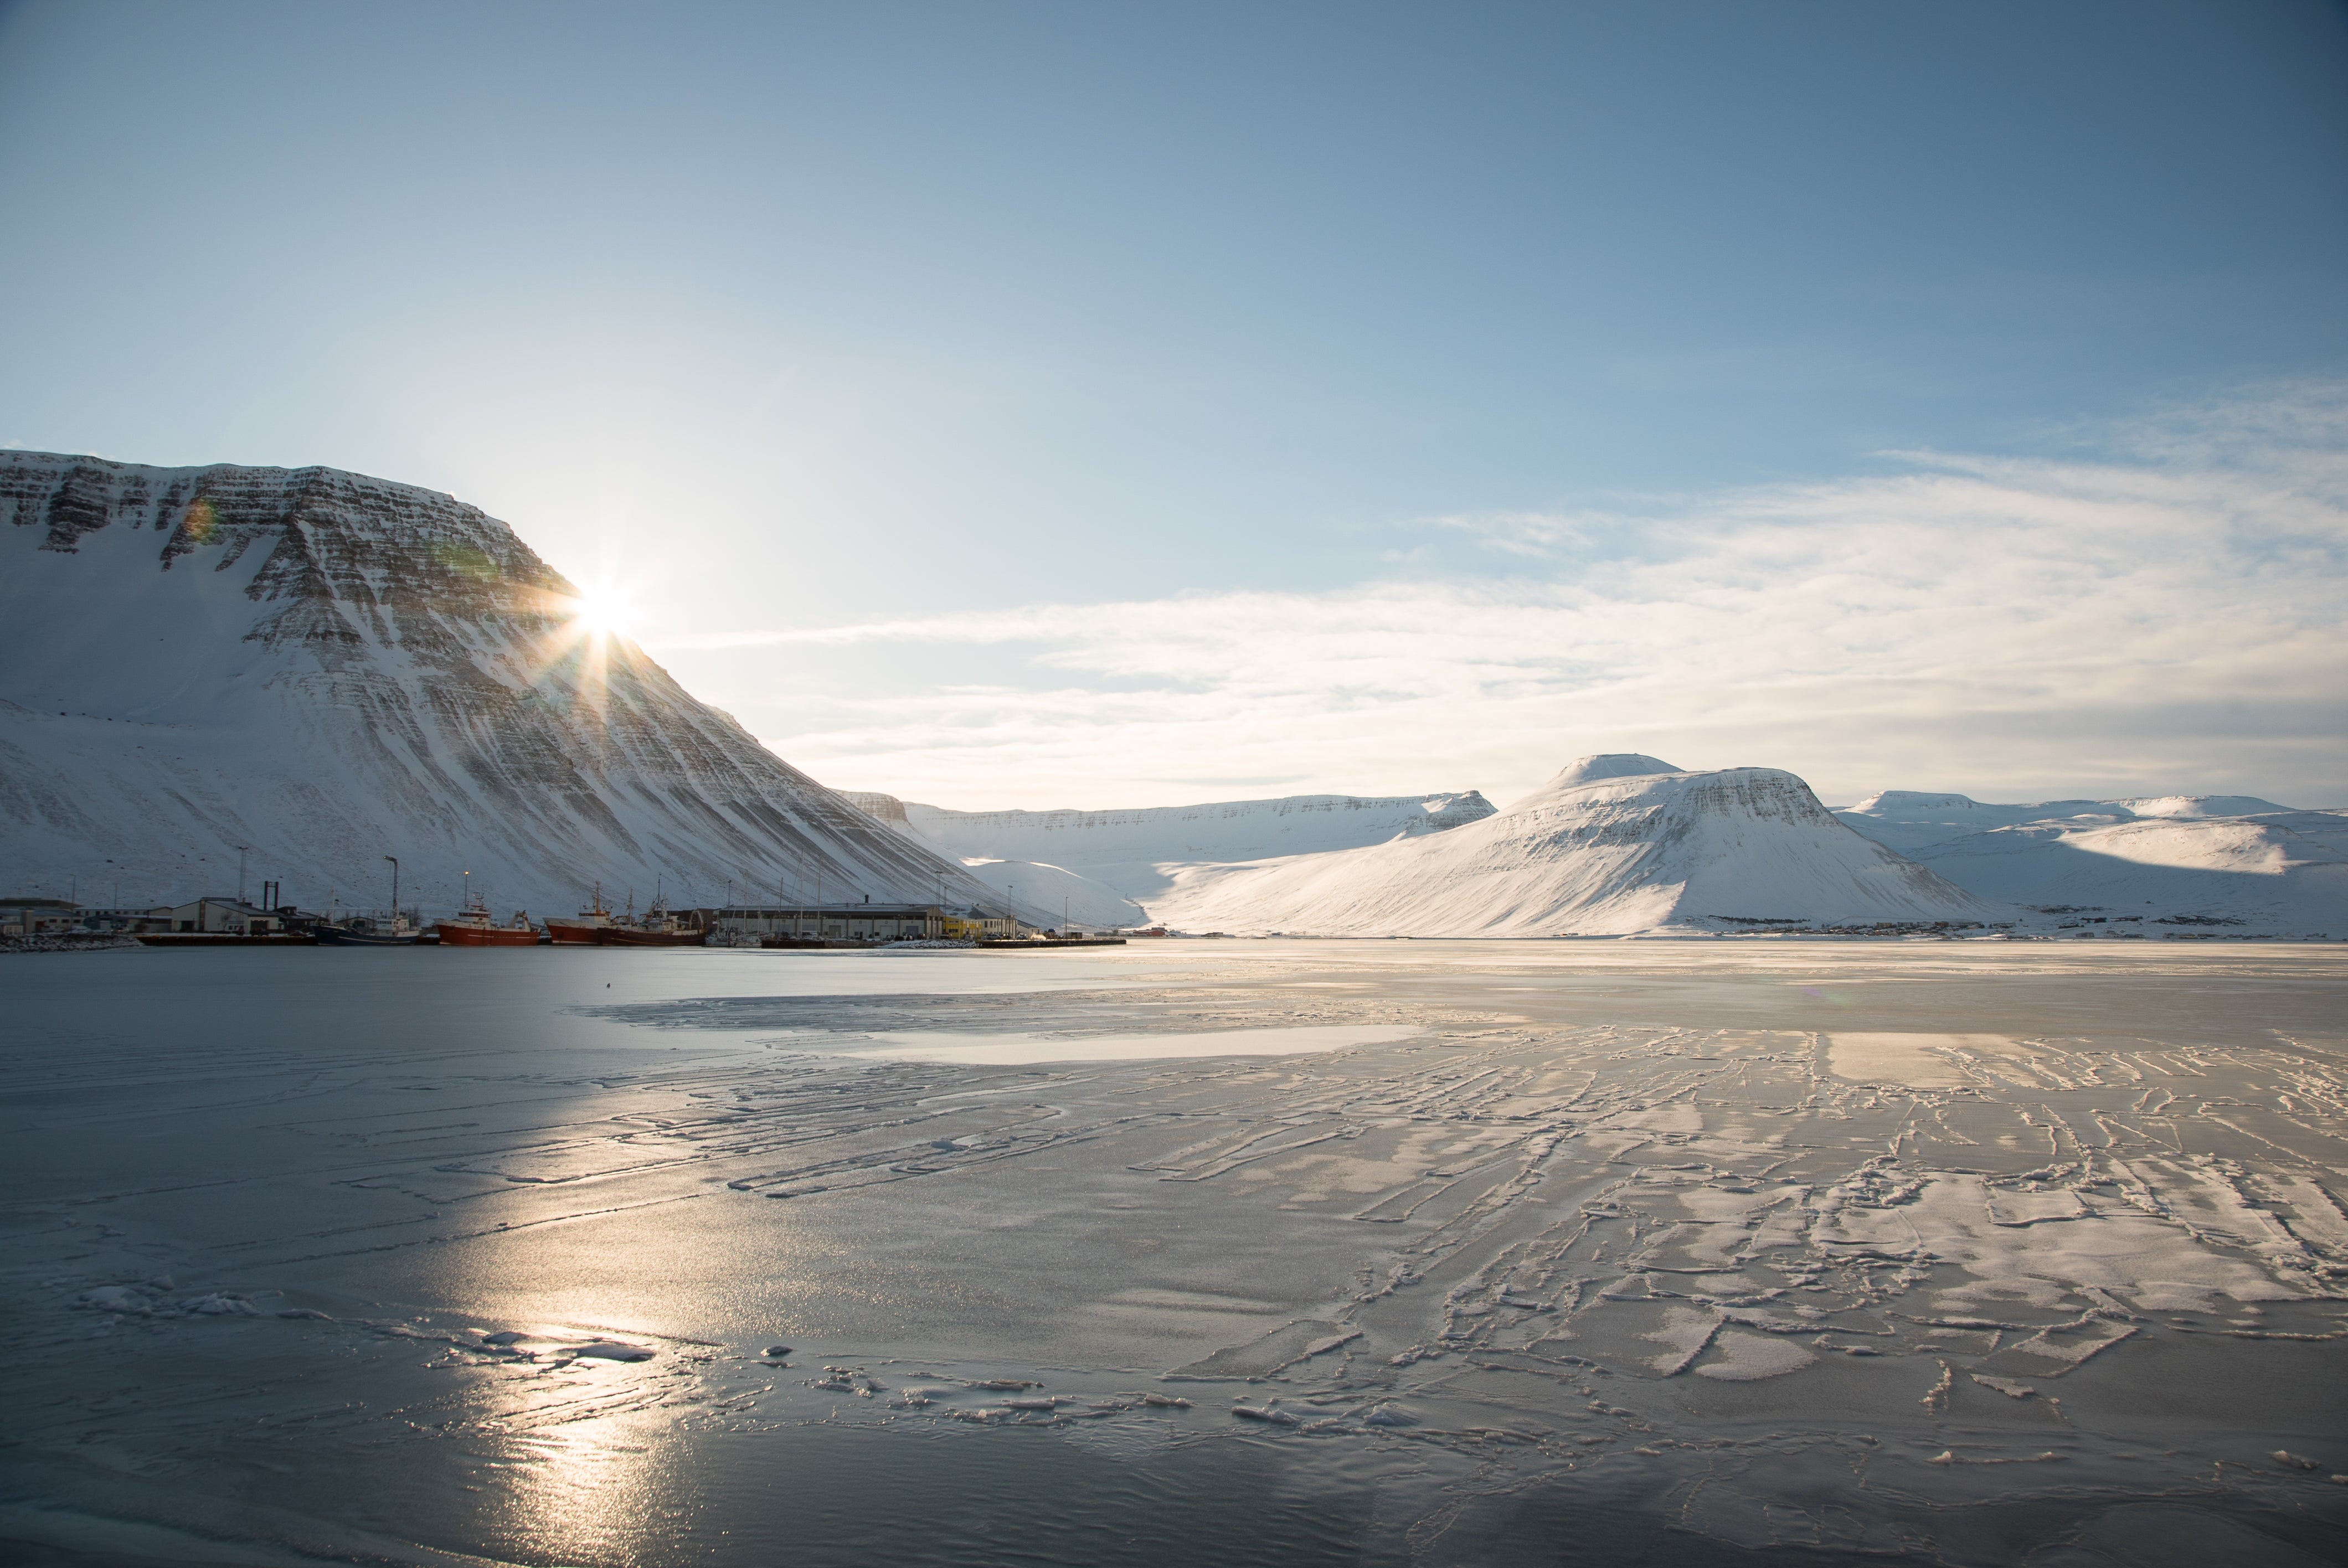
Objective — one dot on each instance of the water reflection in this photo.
(594, 1489)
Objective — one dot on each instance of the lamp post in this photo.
(395, 892)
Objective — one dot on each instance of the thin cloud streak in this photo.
(2007, 627)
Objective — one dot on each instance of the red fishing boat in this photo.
(474, 928)
(584, 929)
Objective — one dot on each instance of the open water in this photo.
(1286, 1252)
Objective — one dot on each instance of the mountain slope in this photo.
(2215, 862)
(326, 668)
(1030, 882)
(1138, 852)
(1614, 845)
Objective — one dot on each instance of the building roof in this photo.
(831, 909)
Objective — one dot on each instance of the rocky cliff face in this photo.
(325, 669)
(1612, 845)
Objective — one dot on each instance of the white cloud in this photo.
(2008, 626)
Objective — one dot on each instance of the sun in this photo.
(591, 638)
(601, 612)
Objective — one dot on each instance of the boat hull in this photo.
(573, 934)
(453, 934)
(618, 937)
(338, 937)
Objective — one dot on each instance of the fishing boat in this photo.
(584, 929)
(359, 931)
(658, 928)
(474, 928)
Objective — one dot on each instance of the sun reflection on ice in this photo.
(607, 1489)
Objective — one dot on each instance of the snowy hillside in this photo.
(1058, 892)
(2212, 863)
(1062, 893)
(1613, 844)
(1138, 852)
(325, 669)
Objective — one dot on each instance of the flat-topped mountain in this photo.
(322, 669)
(1613, 844)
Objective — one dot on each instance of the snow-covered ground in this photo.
(2170, 863)
(1614, 844)
(320, 670)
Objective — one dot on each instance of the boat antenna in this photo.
(394, 890)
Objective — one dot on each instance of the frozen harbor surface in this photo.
(1293, 1251)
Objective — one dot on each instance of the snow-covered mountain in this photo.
(2211, 862)
(1137, 853)
(1064, 894)
(323, 669)
(1614, 845)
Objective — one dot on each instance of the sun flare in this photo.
(601, 612)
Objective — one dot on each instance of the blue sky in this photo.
(802, 319)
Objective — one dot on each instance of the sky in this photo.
(1100, 404)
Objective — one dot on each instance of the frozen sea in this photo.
(1294, 1253)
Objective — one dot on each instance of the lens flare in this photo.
(601, 612)
(585, 644)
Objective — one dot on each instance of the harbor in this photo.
(223, 922)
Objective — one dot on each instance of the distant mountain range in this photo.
(316, 670)
(1612, 845)
(2221, 862)
(310, 670)
(1109, 866)
(1629, 845)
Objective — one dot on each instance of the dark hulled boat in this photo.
(658, 928)
(361, 932)
(584, 929)
(474, 928)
